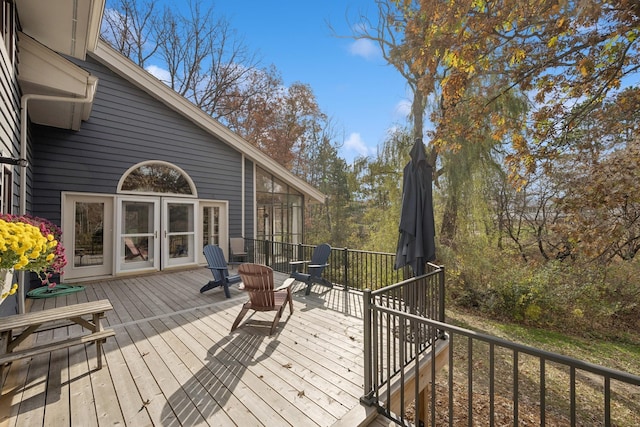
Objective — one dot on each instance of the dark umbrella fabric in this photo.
(416, 243)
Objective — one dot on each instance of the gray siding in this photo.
(127, 126)
(250, 207)
(10, 143)
(10, 119)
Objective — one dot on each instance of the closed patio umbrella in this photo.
(416, 243)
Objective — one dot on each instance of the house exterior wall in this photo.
(10, 106)
(9, 121)
(128, 126)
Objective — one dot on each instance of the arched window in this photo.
(153, 177)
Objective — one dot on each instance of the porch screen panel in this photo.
(279, 210)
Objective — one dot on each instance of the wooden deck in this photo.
(173, 361)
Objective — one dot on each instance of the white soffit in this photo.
(71, 27)
(43, 72)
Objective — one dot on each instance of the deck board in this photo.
(174, 362)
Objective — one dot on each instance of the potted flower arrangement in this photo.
(31, 244)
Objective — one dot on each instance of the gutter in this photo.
(87, 99)
(90, 91)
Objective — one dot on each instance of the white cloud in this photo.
(364, 48)
(355, 143)
(159, 73)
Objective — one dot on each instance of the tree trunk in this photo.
(449, 221)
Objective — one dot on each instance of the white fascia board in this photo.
(95, 21)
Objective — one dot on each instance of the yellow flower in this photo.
(23, 246)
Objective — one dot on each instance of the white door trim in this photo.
(68, 239)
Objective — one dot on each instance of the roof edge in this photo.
(159, 90)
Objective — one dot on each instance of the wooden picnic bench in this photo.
(88, 315)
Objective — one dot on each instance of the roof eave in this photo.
(150, 84)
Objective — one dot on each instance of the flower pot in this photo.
(6, 276)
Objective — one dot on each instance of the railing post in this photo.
(441, 296)
(367, 398)
(267, 250)
(345, 262)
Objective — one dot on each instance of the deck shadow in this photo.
(220, 389)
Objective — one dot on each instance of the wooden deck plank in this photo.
(33, 400)
(146, 363)
(294, 351)
(252, 351)
(297, 356)
(174, 362)
(15, 384)
(198, 384)
(278, 376)
(238, 391)
(57, 400)
(83, 411)
(175, 375)
(126, 392)
(107, 409)
(187, 402)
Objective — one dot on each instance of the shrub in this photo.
(583, 297)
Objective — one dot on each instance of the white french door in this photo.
(123, 234)
(213, 226)
(87, 221)
(137, 231)
(179, 217)
(155, 233)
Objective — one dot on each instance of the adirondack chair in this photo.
(315, 267)
(134, 251)
(218, 266)
(238, 252)
(259, 284)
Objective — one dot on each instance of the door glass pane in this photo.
(181, 230)
(137, 236)
(180, 218)
(211, 226)
(137, 217)
(89, 234)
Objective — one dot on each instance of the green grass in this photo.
(621, 355)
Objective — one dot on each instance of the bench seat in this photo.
(17, 328)
(56, 345)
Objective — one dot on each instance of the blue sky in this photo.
(351, 82)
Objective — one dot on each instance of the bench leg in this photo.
(97, 322)
(4, 349)
(99, 352)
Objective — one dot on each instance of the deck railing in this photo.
(395, 338)
(350, 268)
(404, 328)
(487, 378)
